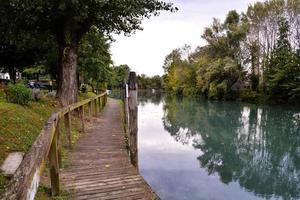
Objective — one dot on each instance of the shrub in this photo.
(18, 94)
(248, 95)
(83, 88)
(51, 95)
(37, 94)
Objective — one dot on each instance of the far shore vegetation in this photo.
(252, 56)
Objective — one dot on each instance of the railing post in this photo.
(81, 115)
(54, 165)
(67, 119)
(95, 107)
(59, 143)
(126, 112)
(133, 112)
(90, 108)
(100, 103)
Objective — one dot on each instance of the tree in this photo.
(18, 47)
(12, 59)
(145, 82)
(94, 59)
(120, 74)
(284, 69)
(69, 21)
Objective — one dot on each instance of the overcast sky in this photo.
(146, 50)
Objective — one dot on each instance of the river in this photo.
(192, 148)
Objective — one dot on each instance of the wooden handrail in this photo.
(25, 182)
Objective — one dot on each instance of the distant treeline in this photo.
(145, 82)
(121, 73)
(248, 55)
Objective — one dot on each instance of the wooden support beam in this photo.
(95, 107)
(54, 165)
(67, 119)
(59, 144)
(100, 104)
(90, 108)
(133, 114)
(81, 115)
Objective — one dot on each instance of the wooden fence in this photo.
(25, 182)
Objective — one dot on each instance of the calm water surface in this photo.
(199, 149)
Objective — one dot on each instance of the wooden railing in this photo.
(47, 146)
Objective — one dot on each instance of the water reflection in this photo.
(257, 147)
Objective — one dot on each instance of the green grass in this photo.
(21, 125)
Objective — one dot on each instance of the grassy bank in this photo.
(21, 125)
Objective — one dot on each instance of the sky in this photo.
(146, 50)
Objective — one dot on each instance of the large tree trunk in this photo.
(12, 74)
(67, 86)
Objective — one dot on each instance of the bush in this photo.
(249, 95)
(51, 95)
(18, 94)
(83, 88)
(37, 94)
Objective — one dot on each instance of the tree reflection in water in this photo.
(256, 146)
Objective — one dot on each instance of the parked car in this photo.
(37, 85)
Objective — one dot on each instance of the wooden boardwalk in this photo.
(99, 164)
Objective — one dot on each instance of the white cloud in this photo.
(145, 51)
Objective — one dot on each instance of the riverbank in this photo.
(245, 96)
(21, 125)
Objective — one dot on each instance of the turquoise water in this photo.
(199, 149)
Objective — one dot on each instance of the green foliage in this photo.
(18, 94)
(242, 58)
(62, 26)
(119, 75)
(83, 88)
(145, 82)
(95, 58)
(284, 69)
